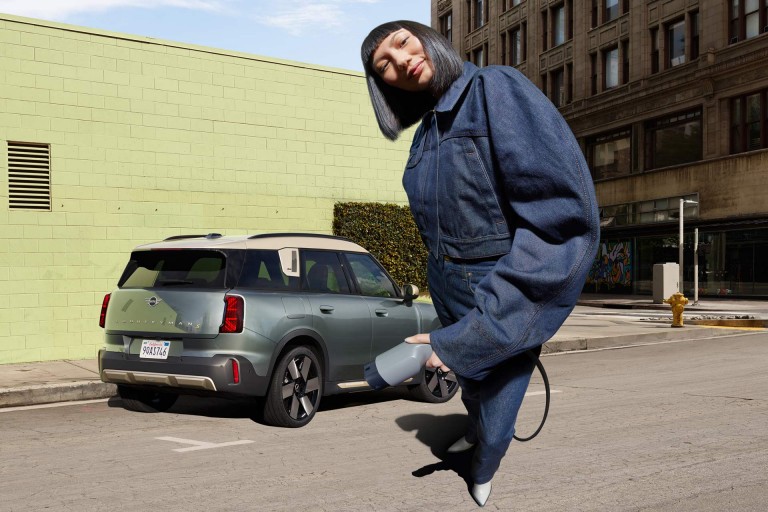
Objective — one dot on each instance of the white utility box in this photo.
(666, 277)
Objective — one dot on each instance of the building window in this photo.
(749, 122)
(674, 140)
(512, 49)
(676, 43)
(558, 25)
(557, 94)
(478, 56)
(611, 10)
(505, 60)
(594, 13)
(446, 26)
(479, 18)
(478, 14)
(593, 73)
(513, 46)
(665, 209)
(749, 18)
(609, 154)
(611, 66)
(625, 62)
(654, 50)
(693, 24)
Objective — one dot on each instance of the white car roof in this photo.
(273, 241)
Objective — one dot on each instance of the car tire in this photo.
(436, 387)
(142, 400)
(295, 389)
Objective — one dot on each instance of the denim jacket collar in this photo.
(450, 97)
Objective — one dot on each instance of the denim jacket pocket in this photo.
(467, 184)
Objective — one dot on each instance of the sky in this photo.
(320, 32)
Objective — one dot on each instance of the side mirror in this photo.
(410, 292)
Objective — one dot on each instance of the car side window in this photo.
(262, 271)
(322, 273)
(371, 278)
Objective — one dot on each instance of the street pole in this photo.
(680, 249)
(680, 245)
(696, 266)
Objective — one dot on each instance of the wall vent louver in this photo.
(29, 176)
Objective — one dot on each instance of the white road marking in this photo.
(48, 406)
(537, 393)
(200, 445)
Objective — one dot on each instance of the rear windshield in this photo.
(187, 268)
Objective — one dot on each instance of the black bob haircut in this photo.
(396, 109)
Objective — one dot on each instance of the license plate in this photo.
(154, 349)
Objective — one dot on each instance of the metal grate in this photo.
(29, 176)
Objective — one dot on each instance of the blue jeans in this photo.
(492, 403)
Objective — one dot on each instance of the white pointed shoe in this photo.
(481, 492)
(460, 446)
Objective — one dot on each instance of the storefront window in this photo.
(729, 263)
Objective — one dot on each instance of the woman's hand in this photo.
(433, 361)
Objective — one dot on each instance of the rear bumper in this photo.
(203, 374)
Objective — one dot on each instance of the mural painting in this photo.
(612, 268)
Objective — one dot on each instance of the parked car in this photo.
(287, 317)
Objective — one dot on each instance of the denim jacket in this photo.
(495, 172)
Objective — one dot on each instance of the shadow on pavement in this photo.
(221, 407)
(211, 407)
(438, 433)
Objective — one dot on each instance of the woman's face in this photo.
(400, 60)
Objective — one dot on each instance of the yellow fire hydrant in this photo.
(678, 302)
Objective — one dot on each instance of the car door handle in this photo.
(326, 309)
(382, 312)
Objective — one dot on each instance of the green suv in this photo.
(286, 317)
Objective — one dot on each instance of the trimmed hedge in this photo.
(390, 234)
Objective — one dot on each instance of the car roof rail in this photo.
(308, 235)
(183, 237)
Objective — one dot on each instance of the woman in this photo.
(503, 199)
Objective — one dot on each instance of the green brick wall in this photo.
(151, 139)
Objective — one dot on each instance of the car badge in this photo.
(153, 301)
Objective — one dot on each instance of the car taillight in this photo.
(233, 314)
(103, 315)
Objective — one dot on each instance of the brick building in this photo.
(669, 101)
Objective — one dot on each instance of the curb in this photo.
(690, 334)
(51, 393)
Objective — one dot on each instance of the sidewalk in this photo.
(599, 321)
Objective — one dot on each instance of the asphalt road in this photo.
(675, 426)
